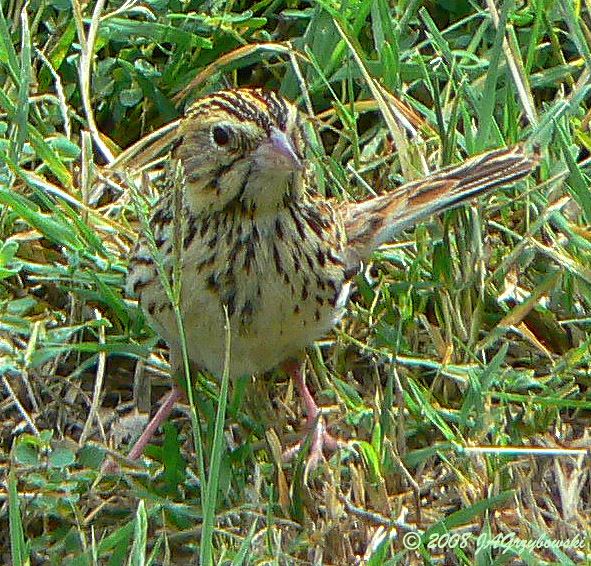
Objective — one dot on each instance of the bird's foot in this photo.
(110, 466)
(319, 440)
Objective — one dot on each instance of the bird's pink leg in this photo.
(314, 422)
(164, 411)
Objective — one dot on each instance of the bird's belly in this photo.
(269, 323)
(282, 283)
(276, 307)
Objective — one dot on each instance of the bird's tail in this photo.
(377, 220)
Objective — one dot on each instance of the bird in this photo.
(242, 235)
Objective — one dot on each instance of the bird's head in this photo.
(243, 148)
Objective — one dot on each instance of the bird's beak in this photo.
(282, 147)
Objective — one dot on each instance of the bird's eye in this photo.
(220, 135)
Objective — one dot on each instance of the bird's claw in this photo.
(319, 440)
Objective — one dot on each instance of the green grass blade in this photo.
(137, 555)
(23, 87)
(217, 451)
(18, 547)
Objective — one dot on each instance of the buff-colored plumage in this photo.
(254, 239)
(243, 224)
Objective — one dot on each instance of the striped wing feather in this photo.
(377, 220)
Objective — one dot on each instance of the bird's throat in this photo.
(269, 189)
